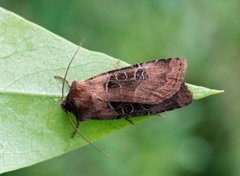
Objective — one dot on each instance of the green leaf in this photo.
(202, 92)
(33, 127)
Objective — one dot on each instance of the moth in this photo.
(142, 89)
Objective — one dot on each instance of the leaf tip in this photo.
(200, 92)
(214, 91)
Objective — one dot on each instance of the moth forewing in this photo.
(149, 83)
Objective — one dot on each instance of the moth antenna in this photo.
(65, 76)
(86, 139)
(71, 122)
(62, 79)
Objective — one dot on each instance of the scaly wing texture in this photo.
(146, 83)
(124, 109)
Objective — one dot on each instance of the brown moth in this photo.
(147, 88)
(142, 89)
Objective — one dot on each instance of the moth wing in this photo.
(127, 109)
(147, 83)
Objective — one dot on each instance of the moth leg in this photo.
(161, 115)
(63, 80)
(117, 65)
(75, 131)
(130, 121)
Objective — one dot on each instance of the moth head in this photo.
(64, 106)
(77, 98)
(66, 103)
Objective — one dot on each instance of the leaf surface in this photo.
(33, 127)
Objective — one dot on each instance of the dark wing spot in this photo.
(117, 107)
(113, 85)
(139, 74)
(121, 76)
(127, 109)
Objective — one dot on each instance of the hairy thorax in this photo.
(82, 102)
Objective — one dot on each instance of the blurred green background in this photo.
(201, 139)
